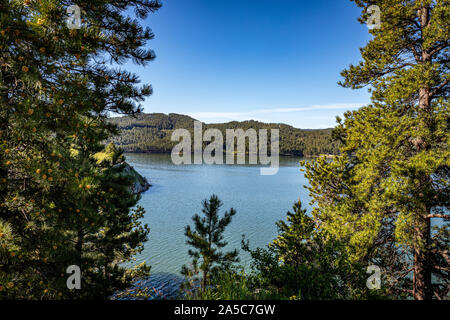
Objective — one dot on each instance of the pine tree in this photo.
(392, 177)
(57, 86)
(304, 262)
(207, 239)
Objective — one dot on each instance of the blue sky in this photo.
(273, 61)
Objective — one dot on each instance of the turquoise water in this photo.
(177, 192)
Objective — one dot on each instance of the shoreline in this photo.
(281, 154)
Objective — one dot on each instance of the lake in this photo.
(177, 193)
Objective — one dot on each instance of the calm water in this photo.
(176, 195)
(177, 192)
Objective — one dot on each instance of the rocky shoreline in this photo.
(140, 184)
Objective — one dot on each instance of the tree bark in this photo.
(422, 289)
(5, 136)
(79, 245)
(422, 269)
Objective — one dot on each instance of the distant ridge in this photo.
(151, 132)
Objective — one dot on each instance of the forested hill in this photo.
(152, 133)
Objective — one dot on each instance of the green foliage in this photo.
(206, 239)
(305, 263)
(302, 263)
(392, 176)
(58, 205)
(110, 155)
(234, 285)
(152, 132)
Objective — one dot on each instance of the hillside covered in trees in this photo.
(152, 133)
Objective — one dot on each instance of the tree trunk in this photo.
(422, 265)
(79, 246)
(422, 268)
(5, 136)
(204, 280)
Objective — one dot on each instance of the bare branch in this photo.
(436, 215)
(442, 85)
(439, 48)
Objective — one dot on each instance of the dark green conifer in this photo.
(206, 240)
(57, 86)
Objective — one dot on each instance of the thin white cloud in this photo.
(253, 114)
